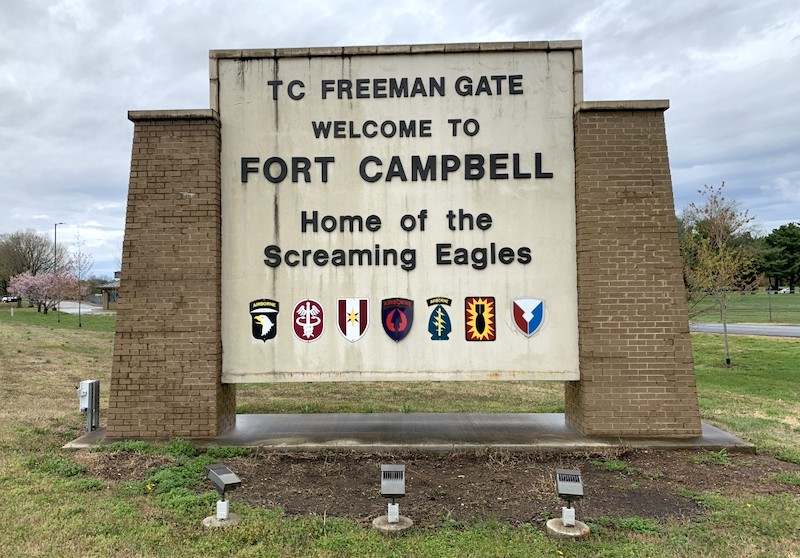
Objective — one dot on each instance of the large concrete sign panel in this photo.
(394, 216)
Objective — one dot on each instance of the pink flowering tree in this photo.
(44, 290)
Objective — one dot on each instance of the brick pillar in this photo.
(637, 375)
(165, 378)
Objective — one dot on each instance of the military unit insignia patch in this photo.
(397, 315)
(352, 317)
(480, 318)
(528, 314)
(308, 320)
(264, 316)
(439, 323)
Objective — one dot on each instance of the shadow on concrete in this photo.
(434, 432)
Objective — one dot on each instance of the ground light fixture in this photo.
(223, 480)
(569, 487)
(393, 485)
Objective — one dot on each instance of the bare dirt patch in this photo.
(466, 487)
(121, 467)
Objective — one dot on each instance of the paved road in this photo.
(748, 329)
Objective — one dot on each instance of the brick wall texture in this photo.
(165, 379)
(637, 375)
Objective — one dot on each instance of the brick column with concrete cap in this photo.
(637, 375)
(165, 379)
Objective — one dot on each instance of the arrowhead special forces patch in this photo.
(397, 315)
(307, 320)
(264, 318)
(480, 322)
(439, 323)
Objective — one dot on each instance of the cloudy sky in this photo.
(71, 69)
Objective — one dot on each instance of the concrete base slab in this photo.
(555, 528)
(88, 440)
(212, 522)
(382, 525)
(445, 432)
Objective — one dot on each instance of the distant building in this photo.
(110, 293)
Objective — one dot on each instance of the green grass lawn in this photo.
(402, 397)
(758, 397)
(10, 314)
(49, 506)
(758, 308)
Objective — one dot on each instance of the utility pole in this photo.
(80, 294)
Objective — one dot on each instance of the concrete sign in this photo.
(398, 216)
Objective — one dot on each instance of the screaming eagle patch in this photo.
(264, 318)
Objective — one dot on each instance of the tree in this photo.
(688, 249)
(79, 265)
(25, 251)
(95, 281)
(780, 261)
(43, 290)
(718, 259)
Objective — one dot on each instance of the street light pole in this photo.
(80, 294)
(55, 267)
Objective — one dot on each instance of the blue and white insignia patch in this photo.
(439, 323)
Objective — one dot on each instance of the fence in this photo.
(761, 307)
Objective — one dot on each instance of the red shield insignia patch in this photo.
(528, 314)
(308, 320)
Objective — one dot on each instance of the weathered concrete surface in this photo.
(555, 528)
(382, 525)
(212, 522)
(432, 432)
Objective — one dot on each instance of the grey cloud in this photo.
(70, 70)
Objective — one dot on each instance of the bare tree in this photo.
(80, 265)
(118, 255)
(716, 262)
(23, 251)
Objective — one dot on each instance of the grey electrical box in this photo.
(393, 481)
(89, 403)
(569, 485)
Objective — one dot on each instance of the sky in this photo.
(71, 69)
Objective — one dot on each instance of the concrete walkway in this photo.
(394, 432)
(70, 307)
